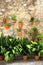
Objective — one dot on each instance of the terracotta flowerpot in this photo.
(4, 21)
(24, 58)
(33, 39)
(37, 23)
(25, 31)
(36, 57)
(34, 23)
(20, 24)
(1, 57)
(7, 27)
(35, 32)
(31, 23)
(14, 21)
(19, 33)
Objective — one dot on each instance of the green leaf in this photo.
(13, 51)
(29, 46)
(34, 42)
(3, 50)
(34, 49)
(7, 58)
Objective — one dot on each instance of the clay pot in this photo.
(7, 27)
(25, 31)
(35, 32)
(34, 23)
(36, 57)
(33, 39)
(14, 21)
(24, 58)
(19, 33)
(4, 21)
(1, 57)
(20, 24)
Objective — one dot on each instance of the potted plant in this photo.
(39, 37)
(13, 17)
(20, 24)
(32, 20)
(25, 56)
(36, 50)
(35, 30)
(7, 48)
(4, 20)
(37, 21)
(33, 33)
(40, 51)
(25, 49)
(19, 31)
(1, 47)
(7, 25)
(25, 31)
(30, 33)
(8, 51)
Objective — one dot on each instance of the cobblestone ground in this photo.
(23, 63)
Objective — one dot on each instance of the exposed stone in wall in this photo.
(23, 9)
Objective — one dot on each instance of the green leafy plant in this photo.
(7, 24)
(34, 29)
(6, 47)
(13, 17)
(4, 18)
(33, 33)
(37, 20)
(18, 49)
(26, 47)
(18, 29)
(11, 46)
(8, 55)
(37, 48)
(39, 37)
(41, 48)
(32, 19)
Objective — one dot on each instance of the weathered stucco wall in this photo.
(23, 9)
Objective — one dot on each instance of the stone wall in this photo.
(23, 9)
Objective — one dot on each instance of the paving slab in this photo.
(23, 63)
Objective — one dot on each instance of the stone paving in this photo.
(23, 63)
